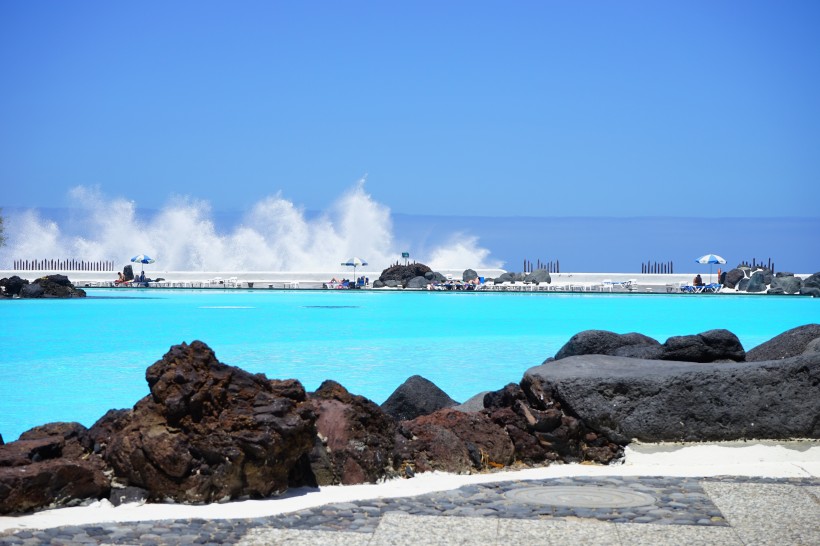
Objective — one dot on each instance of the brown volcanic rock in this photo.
(49, 466)
(542, 431)
(452, 441)
(355, 437)
(208, 431)
(54, 482)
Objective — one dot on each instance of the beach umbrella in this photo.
(710, 259)
(142, 259)
(354, 263)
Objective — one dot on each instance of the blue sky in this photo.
(548, 108)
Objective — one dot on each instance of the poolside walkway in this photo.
(642, 503)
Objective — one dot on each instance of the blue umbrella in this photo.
(142, 259)
(710, 259)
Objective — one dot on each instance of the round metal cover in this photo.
(581, 496)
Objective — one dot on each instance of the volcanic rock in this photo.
(709, 346)
(758, 283)
(415, 397)
(209, 431)
(13, 285)
(51, 286)
(788, 284)
(788, 344)
(538, 276)
(811, 286)
(355, 437)
(434, 276)
(627, 399)
(403, 273)
(602, 342)
(452, 441)
(417, 282)
(733, 277)
(49, 466)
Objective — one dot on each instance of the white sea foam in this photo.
(274, 235)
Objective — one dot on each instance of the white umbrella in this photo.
(710, 259)
(354, 262)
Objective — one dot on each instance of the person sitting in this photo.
(120, 279)
(698, 280)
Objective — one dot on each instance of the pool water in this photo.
(72, 360)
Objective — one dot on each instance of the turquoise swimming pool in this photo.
(72, 360)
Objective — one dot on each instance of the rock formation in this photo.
(50, 286)
(354, 440)
(743, 279)
(209, 431)
(651, 401)
(416, 397)
(788, 344)
(50, 465)
(711, 346)
(400, 274)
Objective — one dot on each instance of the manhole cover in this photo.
(581, 496)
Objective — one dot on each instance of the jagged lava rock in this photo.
(208, 431)
(354, 440)
(50, 466)
(51, 286)
(403, 273)
(452, 441)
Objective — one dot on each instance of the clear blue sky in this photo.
(544, 108)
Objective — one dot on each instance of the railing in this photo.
(658, 267)
(551, 267)
(59, 264)
(755, 264)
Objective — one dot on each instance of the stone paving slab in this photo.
(684, 511)
(769, 513)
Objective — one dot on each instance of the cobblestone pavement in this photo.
(583, 510)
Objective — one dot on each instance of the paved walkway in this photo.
(577, 510)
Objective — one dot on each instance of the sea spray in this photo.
(275, 235)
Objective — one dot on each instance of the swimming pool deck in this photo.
(622, 504)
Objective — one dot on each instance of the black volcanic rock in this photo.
(415, 397)
(709, 346)
(51, 286)
(603, 342)
(789, 284)
(788, 344)
(13, 285)
(757, 283)
(403, 273)
(539, 276)
(626, 398)
(733, 277)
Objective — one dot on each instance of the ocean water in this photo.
(278, 235)
(72, 360)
